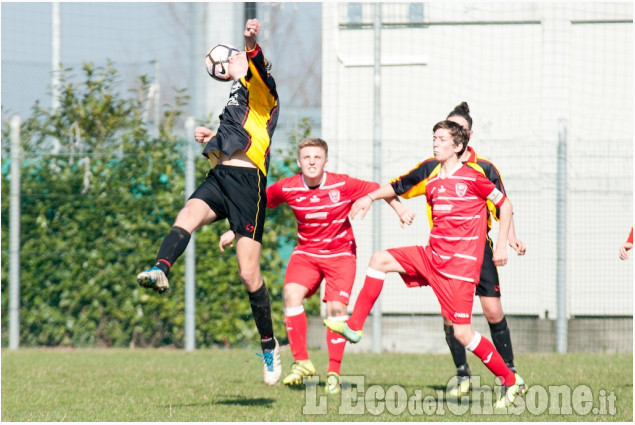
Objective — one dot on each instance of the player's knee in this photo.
(463, 335)
(193, 215)
(335, 311)
(292, 296)
(493, 311)
(251, 279)
(379, 260)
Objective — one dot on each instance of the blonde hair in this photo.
(313, 141)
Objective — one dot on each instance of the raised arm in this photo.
(252, 28)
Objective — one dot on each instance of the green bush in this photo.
(93, 216)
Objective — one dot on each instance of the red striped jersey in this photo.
(459, 217)
(430, 168)
(322, 213)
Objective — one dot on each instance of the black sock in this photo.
(503, 341)
(261, 309)
(457, 350)
(173, 245)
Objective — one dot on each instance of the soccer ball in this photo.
(217, 60)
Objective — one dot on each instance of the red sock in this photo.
(366, 298)
(296, 323)
(335, 343)
(486, 351)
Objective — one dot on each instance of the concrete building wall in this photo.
(424, 334)
(530, 73)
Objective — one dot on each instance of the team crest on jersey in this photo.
(334, 195)
(460, 188)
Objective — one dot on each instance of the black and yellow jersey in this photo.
(249, 119)
(413, 183)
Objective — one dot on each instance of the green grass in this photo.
(226, 385)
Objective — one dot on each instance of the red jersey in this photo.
(459, 216)
(322, 213)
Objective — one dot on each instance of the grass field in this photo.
(225, 385)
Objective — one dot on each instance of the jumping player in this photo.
(234, 187)
(326, 250)
(451, 263)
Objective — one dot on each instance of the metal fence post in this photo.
(377, 328)
(14, 236)
(190, 252)
(561, 240)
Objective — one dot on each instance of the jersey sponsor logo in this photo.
(321, 214)
(442, 207)
(300, 198)
(337, 340)
(334, 195)
(233, 101)
(463, 315)
(460, 188)
(442, 189)
(345, 294)
(314, 198)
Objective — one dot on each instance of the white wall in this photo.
(523, 68)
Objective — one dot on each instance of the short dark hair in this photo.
(462, 110)
(458, 133)
(314, 141)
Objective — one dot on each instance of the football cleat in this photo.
(343, 329)
(510, 393)
(154, 279)
(299, 370)
(332, 385)
(272, 367)
(462, 388)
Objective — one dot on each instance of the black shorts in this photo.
(489, 285)
(238, 194)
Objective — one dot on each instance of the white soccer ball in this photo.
(217, 61)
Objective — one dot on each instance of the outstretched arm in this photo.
(364, 203)
(406, 216)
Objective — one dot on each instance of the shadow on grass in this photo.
(230, 401)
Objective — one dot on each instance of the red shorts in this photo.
(455, 296)
(308, 271)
